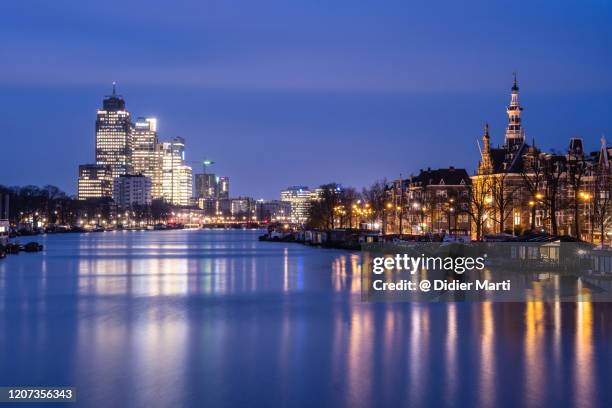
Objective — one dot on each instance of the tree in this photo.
(532, 180)
(479, 203)
(576, 168)
(375, 195)
(602, 201)
(553, 169)
(502, 196)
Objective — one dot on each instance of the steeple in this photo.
(486, 164)
(515, 134)
(603, 153)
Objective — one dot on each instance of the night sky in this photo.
(283, 92)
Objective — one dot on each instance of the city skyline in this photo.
(278, 100)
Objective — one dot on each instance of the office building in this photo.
(114, 135)
(132, 190)
(146, 155)
(223, 187)
(273, 211)
(177, 184)
(300, 199)
(206, 185)
(95, 181)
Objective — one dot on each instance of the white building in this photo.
(177, 184)
(300, 199)
(130, 190)
(147, 153)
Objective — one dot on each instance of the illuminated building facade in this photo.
(146, 155)
(177, 184)
(300, 199)
(130, 190)
(95, 181)
(273, 211)
(114, 135)
(223, 187)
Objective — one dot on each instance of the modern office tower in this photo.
(223, 187)
(300, 199)
(114, 135)
(206, 185)
(243, 207)
(95, 181)
(146, 154)
(177, 184)
(273, 211)
(132, 189)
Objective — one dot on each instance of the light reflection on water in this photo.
(216, 318)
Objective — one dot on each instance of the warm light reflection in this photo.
(585, 376)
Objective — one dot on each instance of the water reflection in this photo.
(219, 319)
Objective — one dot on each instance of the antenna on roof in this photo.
(114, 86)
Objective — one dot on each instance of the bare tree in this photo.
(576, 168)
(478, 205)
(602, 202)
(532, 180)
(553, 170)
(502, 194)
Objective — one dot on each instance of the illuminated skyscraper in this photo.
(114, 135)
(95, 181)
(177, 185)
(147, 153)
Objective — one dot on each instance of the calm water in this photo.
(216, 318)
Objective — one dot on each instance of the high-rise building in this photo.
(243, 207)
(130, 190)
(206, 185)
(300, 199)
(223, 187)
(95, 181)
(146, 154)
(114, 135)
(177, 183)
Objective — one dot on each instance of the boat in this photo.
(4, 232)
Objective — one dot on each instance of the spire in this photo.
(486, 163)
(603, 153)
(515, 135)
(515, 86)
(114, 88)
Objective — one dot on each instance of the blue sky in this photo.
(286, 92)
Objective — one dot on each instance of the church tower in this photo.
(515, 135)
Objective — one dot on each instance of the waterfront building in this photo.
(114, 135)
(132, 190)
(518, 188)
(273, 211)
(223, 187)
(434, 201)
(95, 181)
(300, 199)
(243, 208)
(177, 183)
(206, 185)
(146, 155)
